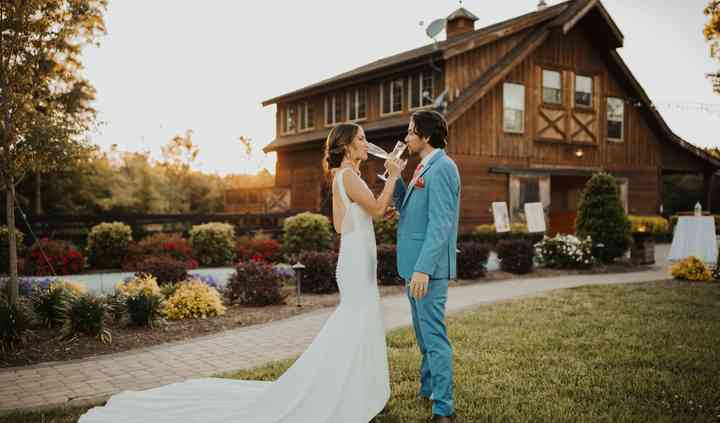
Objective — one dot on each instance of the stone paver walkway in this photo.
(94, 379)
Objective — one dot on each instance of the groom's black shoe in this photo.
(441, 419)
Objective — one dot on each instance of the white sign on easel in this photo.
(500, 215)
(535, 217)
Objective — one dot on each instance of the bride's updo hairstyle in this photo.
(336, 145)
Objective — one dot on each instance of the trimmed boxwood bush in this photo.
(387, 273)
(319, 274)
(472, 260)
(255, 283)
(213, 244)
(107, 244)
(307, 232)
(87, 315)
(5, 251)
(516, 256)
(15, 320)
(64, 257)
(165, 269)
(601, 216)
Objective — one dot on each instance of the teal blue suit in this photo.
(426, 242)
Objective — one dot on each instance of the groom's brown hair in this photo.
(429, 123)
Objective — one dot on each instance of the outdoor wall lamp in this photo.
(579, 153)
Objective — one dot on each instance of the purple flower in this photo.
(207, 279)
(285, 271)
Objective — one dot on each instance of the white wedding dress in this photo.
(341, 378)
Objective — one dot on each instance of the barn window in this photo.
(391, 96)
(305, 116)
(333, 109)
(421, 89)
(552, 87)
(583, 91)
(357, 104)
(514, 108)
(289, 119)
(615, 119)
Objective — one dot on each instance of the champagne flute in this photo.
(397, 152)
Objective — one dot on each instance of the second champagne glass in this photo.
(397, 152)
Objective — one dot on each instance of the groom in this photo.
(426, 241)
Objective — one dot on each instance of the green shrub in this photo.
(255, 283)
(601, 216)
(485, 234)
(164, 269)
(387, 273)
(472, 260)
(565, 252)
(5, 251)
(87, 315)
(516, 256)
(50, 304)
(319, 274)
(15, 321)
(116, 306)
(307, 232)
(386, 228)
(213, 244)
(107, 244)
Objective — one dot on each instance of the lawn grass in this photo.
(645, 352)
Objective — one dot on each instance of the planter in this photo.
(643, 249)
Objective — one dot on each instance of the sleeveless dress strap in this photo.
(341, 187)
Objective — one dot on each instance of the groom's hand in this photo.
(419, 285)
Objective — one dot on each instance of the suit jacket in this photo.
(429, 215)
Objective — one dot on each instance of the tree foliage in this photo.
(712, 34)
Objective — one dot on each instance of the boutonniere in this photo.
(420, 183)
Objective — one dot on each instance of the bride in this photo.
(343, 375)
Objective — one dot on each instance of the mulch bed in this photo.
(44, 345)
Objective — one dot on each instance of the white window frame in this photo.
(592, 91)
(542, 83)
(505, 108)
(284, 124)
(354, 96)
(304, 111)
(334, 114)
(607, 117)
(421, 82)
(392, 96)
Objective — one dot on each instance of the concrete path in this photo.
(94, 379)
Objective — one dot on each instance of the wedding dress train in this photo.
(342, 377)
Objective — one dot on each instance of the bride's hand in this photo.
(394, 167)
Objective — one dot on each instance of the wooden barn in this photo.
(535, 104)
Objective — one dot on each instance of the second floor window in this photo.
(305, 116)
(357, 104)
(421, 89)
(514, 108)
(615, 119)
(289, 120)
(583, 91)
(333, 109)
(391, 96)
(552, 87)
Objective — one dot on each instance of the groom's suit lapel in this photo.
(432, 160)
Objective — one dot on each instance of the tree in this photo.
(44, 101)
(601, 216)
(712, 34)
(178, 156)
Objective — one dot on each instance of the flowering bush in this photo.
(213, 244)
(193, 299)
(255, 283)
(307, 232)
(565, 252)
(5, 242)
(63, 256)
(267, 250)
(691, 269)
(157, 245)
(107, 244)
(208, 280)
(472, 260)
(142, 299)
(87, 315)
(165, 269)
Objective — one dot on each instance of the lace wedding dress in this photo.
(341, 378)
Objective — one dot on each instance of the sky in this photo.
(166, 66)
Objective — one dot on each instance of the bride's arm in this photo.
(360, 194)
